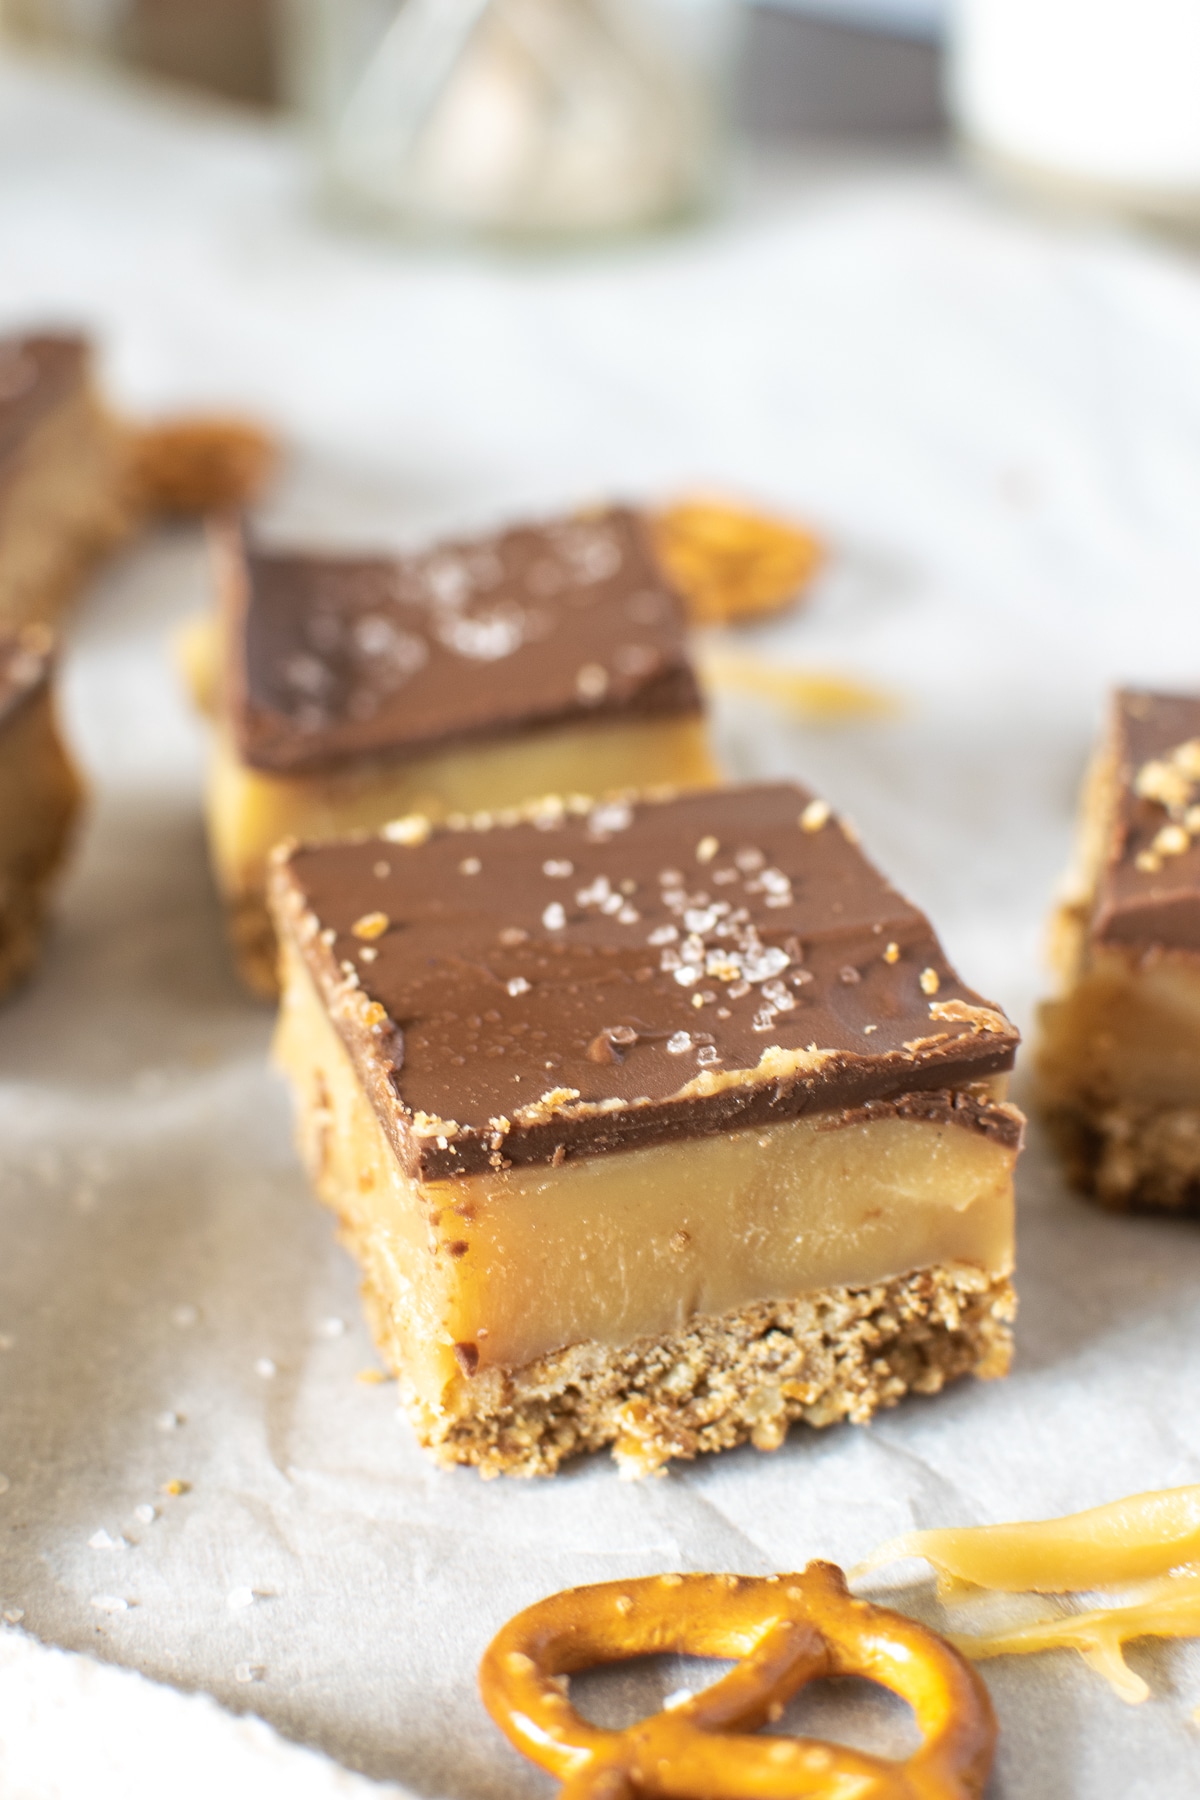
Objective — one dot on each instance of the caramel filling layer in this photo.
(1126, 1031)
(498, 1269)
(1126, 1027)
(250, 812)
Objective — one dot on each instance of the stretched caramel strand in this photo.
(809, 693)
(1127, 1540)
(1169, 1608)
(785, 1630)
(1139, 1539)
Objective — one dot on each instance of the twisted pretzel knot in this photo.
(785, 1630)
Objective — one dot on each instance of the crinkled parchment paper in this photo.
(998, 423)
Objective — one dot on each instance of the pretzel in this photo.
(785, 1630)
(732, 564)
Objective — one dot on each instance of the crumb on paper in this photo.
(110, 1603)
(372, 925)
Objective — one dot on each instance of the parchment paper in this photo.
(997, 421)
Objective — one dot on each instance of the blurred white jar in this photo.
(519, 118)
(1099, 98)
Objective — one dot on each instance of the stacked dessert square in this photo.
(1120, 1047)
(66, 497)
(658, 1125)
(40, 795)
(350, 691)
(67, 486)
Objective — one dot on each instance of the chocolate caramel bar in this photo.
(1119, 1056)
(40, 795)
(354, 690)
(659, 1125)
(66, 483)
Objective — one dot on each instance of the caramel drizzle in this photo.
(1145, 1547)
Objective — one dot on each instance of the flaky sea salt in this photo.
(109, 1603)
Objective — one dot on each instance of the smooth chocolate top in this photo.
(37, 373)
(591, 980)
(334, 658)
(26, 658)
(1148, 891)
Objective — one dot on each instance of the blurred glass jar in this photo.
(1093, 100)
(526, 119)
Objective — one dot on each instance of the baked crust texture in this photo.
(747, 1376)
(253, 942)
(40, 799)
(1131, 1158)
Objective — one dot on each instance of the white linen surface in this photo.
(997, 421)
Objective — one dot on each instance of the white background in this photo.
(995, 421)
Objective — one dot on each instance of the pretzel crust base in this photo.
(743, 1377)
(40, 797)
(1131, 1158)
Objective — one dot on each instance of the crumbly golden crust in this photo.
(254, 944)
(842, 1353)
(40, 797)
(22, 918)
(1131, 1158)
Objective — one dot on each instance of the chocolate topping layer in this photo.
(1148, 891)
(26, 658)
(37, 373)
(626, 973)
(333, 658)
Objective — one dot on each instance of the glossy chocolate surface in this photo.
(1146, 896)
(339, 658)
(637, 958)
(37, 373)
(26, 658)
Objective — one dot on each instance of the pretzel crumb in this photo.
(197, 464)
